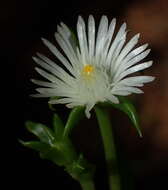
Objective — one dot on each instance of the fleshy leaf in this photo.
(41, 131)
(127, 107)
(36, 145)
(47, 152)
(75, 116)
(57, 149)
(56, 156)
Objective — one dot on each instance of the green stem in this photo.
(87, 184)
(109, 148)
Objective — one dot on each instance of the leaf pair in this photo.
(51, 146)
(55, 145)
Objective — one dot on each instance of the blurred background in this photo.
(23, 23)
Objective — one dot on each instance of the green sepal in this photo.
(41, 131)
(127, 107)
(58, 131)
(75, 116)
(58, 127)
(73, 40)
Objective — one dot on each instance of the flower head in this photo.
(96, 70)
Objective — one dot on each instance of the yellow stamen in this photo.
(88, 70)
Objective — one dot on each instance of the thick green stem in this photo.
(87, 184)
(109, 148)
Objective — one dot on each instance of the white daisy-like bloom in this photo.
(94, 71)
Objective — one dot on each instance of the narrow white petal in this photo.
(135, 52)
(59, 72)
(47, 60)
(101, 35)
(128, 47)
(122, 93)
(60, 101)
(89, 106)
(46, 75)
(81, 31)
(133, 69)
(130, 81)
(44, 65)
(64, 30)
(54, 65)
(40, 95)
(55, 51)
(113, 99)
(116, 53)
(109, 36)
(53, 92)
(67, 42)
(43, 83)
(67, 48)
(132, 62)
(91, 35)
(130, 89)
(137, 58)
(69, 36)
(72, 105)
(46, 91)
(117, 39)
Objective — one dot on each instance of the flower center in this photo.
(88, 70)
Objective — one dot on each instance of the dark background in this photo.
(23, 23)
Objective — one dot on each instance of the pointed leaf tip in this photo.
(128, 108)
(36, 145)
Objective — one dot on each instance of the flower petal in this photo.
(133, 61)
(134, 53)
(68, 36)
(89, 106)
(109, 37)
(46, 75)
(134, 69)
(67, 48)
(43, 83)
(81, 31)
(55, 51)
(101, 35)
(134, 81)
(57, 71)
(128, 47)
(113, 99)
(117, 39)
(91, 35)
(124, 90)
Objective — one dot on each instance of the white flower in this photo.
(97, 70)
